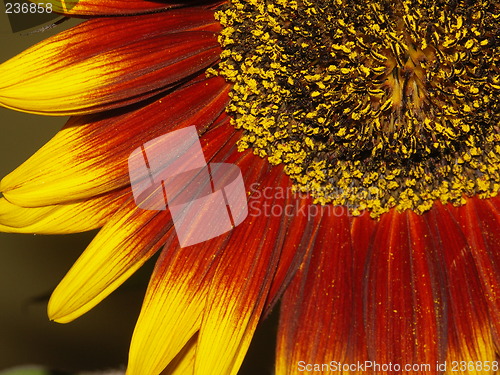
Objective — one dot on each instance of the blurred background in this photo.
(32, 265)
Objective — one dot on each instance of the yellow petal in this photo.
(130, 238)
(63, 218)
(183, 363)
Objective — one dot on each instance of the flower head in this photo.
(369, 104)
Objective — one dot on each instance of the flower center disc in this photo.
(371, 105)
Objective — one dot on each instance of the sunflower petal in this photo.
(316, 308)
(480, 220)
(404, 296)
(469, 335)
(176, 297)
(130, 238)
(77, 164)
(107, 7)
(100, 74)
(172, 310)
(63, 218)
(183, 363)
(363, 229)
(298, 230)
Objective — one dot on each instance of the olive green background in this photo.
(32, 265)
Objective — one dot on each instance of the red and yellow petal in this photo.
(174, 303)
(104, 73)
(214, 288)
(89, 156)
(173, 307)
(239, 289)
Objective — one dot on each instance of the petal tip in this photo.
(58, 311)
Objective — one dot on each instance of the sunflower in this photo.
(367, 133)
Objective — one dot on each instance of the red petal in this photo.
(480, 222)
(298, 230)
(362, 231)
(111, 7)
(316, 310)
(469, 335)
(403, 297)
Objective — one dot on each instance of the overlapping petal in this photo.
(215, 287)
(123, 245)
(176, 296)
(239, 288)
(99, 73)
(130, 237)
(408, 290)
(61, 218)
(183, 363)
(298, 230)
(173, 307)
(89, 156)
